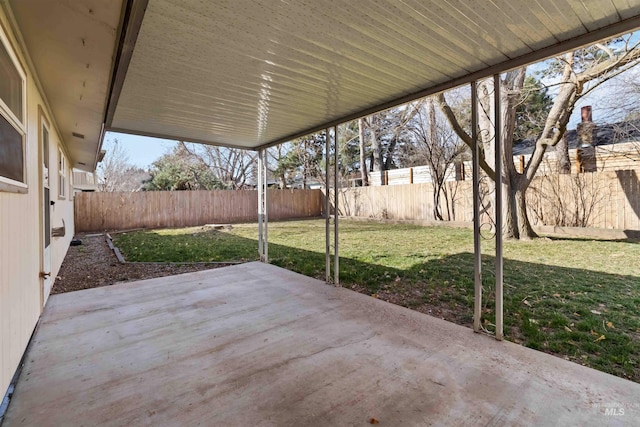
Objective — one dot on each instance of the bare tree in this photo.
(576, 73)
(116, 172)
(438, 147)
(298, 162)
(231, 166)
(362, 145)
(566, 200)
(385, 130)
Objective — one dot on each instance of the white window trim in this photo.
(10, 185)
(44, 126)
(70, 185)
(62, 175)
(6, 184)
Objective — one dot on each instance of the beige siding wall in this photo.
(20, 235)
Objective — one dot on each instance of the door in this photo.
(45, 271)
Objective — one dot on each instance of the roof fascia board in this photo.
(130, 28)
(117, 49)
(613, 30)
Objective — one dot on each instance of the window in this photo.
(71, 192)
(12, 135)
(62, 174)
(11, 152)
(11, 83)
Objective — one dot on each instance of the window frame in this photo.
(62, 174)
(8, 184)
(71, 192)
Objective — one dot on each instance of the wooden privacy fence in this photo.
(609, 200)
(601, 200)
(159, 209)
(405, 201)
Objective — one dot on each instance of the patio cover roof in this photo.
(250, 73)
(254, 73)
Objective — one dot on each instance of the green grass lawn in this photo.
(575, 298)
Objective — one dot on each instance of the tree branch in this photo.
(464, 136)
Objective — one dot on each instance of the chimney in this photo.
(586, 114)
(586, 129)
(585, 153)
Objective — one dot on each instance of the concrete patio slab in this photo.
(255, 344)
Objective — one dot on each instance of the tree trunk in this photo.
(378, 164)
(388, 163)
(564, 164)
(363, 163)
(510, 87)
(509, 212)
(431, 116)
(437, 215)
(577, 72)
(445, 195)
(526, 231)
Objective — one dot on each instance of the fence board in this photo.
(159, 209)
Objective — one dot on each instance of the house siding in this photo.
(21, 297)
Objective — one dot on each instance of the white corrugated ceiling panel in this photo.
(250, 72)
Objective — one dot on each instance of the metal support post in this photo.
(498, 209)
(327, 207)
(260, 195)
(477, 254)
(336, 186)
(263, 242)
(265, 209)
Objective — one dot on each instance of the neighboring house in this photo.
(84, 181)
(615, 146)
(54, 79)
(309, 183)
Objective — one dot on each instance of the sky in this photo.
(142, 150)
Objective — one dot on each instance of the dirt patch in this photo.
(93, 264)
